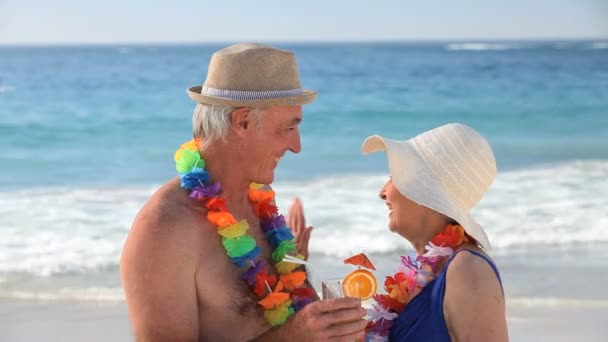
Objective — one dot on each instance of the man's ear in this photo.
(241, 119)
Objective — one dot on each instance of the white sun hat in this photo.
(447, 169)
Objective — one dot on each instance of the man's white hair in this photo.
(211, 123)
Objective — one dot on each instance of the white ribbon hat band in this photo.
(244, 95)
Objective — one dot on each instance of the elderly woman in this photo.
(452, 290)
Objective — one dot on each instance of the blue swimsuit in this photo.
(422, 319)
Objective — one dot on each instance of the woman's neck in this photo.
(434, 224)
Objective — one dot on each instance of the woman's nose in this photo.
(381, 194)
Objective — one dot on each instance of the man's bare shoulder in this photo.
(169, 221)
(158, 264)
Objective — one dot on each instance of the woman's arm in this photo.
(474, 304)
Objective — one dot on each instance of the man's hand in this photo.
(297, 222)
(337, 319)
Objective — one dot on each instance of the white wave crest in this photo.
(599, 45)
(481, 46)
(556, 302)
(65, 231)
(55, 231)
(96, 294)
(6, 88)
(554, 205)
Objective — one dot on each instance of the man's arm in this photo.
(474, 304)
(157, 269)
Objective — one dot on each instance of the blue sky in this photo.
(123, 21)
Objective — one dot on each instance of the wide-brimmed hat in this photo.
(252, 75)
(447, 169)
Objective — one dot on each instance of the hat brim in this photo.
(306, 97)
(414, 180)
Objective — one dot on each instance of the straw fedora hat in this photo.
(248, 75)
(447, 169)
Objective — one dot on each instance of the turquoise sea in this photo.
(87, 133)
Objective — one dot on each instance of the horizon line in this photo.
(307, 41)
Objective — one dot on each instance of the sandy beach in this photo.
(22, 321)
(547, 322)
(63, 321)
(544, 302)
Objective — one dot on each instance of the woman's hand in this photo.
(297, 222)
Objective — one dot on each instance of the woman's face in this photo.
(406, 217)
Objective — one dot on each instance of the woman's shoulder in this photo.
(472, 266)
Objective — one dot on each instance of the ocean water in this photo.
(87, 134)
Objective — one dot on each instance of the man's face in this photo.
(276, 132)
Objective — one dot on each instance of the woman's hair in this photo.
(211, 123)
(452, 221)
(469, 237)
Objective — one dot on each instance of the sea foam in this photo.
(61, 231)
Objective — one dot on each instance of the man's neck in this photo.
(223, 166)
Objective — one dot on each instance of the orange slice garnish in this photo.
(360, 284)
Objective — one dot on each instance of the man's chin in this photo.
(265, 180)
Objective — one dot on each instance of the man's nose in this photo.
(295, 145)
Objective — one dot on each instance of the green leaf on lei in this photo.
(280, 314)
(188, 160)
(282, 249)
(239, 246)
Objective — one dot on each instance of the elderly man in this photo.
(208, 257)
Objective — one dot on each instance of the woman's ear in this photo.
(241, 119)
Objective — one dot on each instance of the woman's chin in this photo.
(396, 230)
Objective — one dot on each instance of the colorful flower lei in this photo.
(288, 296)
(412, 275)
